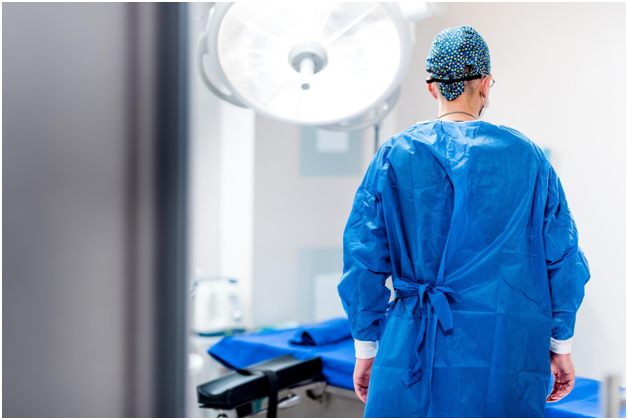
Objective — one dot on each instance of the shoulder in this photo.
(504, 130)
(519, 141)
(515, 135)
(403, 139)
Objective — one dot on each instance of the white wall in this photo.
(561, 80)
(237, 164)
(222, 162)
(205, 162)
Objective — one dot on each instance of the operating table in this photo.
(276, 378)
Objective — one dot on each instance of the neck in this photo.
(458, 109)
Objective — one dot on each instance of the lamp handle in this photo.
(201, 50)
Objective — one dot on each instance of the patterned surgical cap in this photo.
(452, 50)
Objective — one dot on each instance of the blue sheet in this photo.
(339, 358)
(322, 333)
(244, 350)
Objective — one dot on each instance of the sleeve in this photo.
(567, 267)
(362, 287)
(366, 349)
(560, 346)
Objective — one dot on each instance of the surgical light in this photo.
(313, 63)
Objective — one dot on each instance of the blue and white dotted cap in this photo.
(452, 50)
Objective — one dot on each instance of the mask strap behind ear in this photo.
(482, 87)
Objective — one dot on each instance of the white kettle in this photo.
(217, 307)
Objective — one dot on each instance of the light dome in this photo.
(308, 63)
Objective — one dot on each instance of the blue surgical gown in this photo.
(471, 222)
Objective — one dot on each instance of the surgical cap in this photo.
(452, 50)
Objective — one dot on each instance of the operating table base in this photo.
(314, 400)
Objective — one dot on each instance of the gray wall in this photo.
(298, 214)
(65, 93)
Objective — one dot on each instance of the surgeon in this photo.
(470, 221)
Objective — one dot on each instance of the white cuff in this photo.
(560, 346)
(366, 349)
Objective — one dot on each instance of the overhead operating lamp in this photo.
(333, 65)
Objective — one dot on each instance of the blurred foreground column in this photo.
(94, 226)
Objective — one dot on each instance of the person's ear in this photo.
(431, 90)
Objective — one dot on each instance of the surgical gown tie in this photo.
(435, 297)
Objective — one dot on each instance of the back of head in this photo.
(458, 58)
